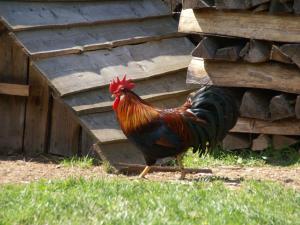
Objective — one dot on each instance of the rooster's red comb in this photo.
(116, 84)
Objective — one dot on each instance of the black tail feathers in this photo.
(218, 107)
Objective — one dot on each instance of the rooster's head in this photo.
(118, 87)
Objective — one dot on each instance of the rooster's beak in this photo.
(113, 95)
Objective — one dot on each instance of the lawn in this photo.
(123, 201)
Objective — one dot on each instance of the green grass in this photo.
(218, 157)
(82, 162)
(141, 202)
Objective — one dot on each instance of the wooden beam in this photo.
(255, 26)
(281, 127)
(14, 89)
(269, 75)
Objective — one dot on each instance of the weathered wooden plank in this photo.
(256, 26)
(282, 106)
(13, 69)
(54, 42)
(100, 100)
(273, 76)
(37, 115)
(105, 127)
(78, 73)
(234, 141)
(255, 104)
(87, 144)
(121, 152)
(65, 131)
(297, 107)
(281, 127)
(30, 15)
(14, 89)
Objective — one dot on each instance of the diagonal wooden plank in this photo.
(78, 73)
(105, 127)
(285, 28)
(32, 15)
(53, 42)
(100, 100)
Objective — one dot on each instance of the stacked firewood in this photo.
(252, 46)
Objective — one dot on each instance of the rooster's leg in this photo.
(145, 171)
(180, 163)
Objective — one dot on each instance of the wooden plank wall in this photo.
(13, 69)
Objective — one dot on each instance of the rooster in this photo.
(200, 123)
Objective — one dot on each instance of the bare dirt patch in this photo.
(21, 170)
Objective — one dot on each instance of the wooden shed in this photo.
(57, 59)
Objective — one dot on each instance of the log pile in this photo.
(252, 45)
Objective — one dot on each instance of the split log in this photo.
(136, 168)
(282, 106)
(280, 141)
(262, 8)
(206, 49)
(256, 51)
(197, 4)
(228, 53)
(281, 6)
(255, 104)
(297, 108)
(260, 143)
(292, 51)
(279, 56)
(217, 48)
(235, 141)
(275, 76)
(280, 127)
(233, 4)
(296, 6)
